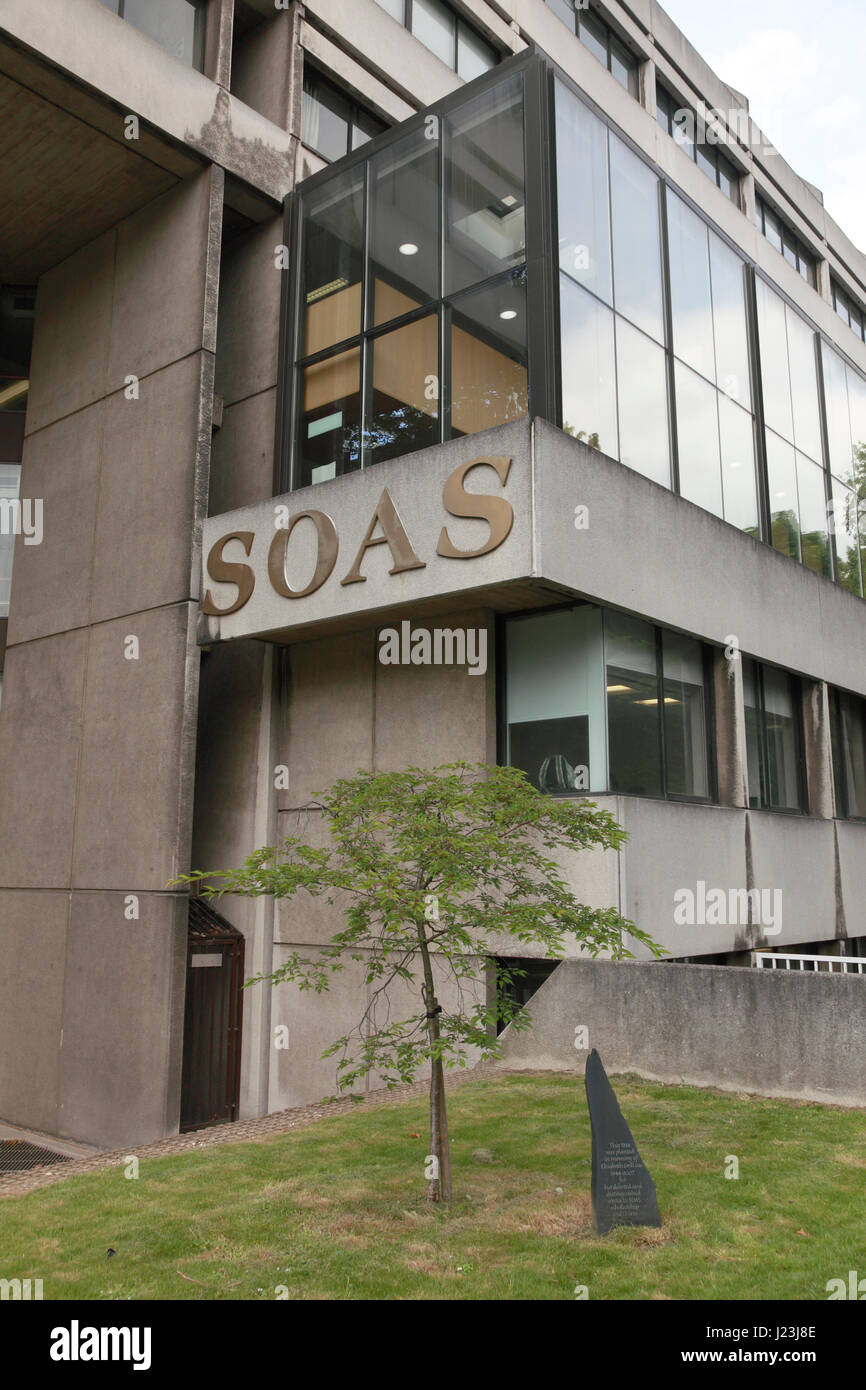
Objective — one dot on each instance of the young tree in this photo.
(430, 868)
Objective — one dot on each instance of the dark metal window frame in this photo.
(804, 258)
(502, 622)
(540, 270)
(837, 740)
(612, 41)
(200, 7)
(795, 687)
(356, 110)
(666, 105)
(843, 299)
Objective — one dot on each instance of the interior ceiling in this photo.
(63, 183)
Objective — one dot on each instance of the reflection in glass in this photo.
(691, 302)
(781, 746)
(636, 244)
(555, 699)
(838, 419)
(170, 23)
(846, 532)
(433, 23)
(489, 384)
(588, 372)
(632, 706)
(784, 508)
(403, 413)
(775, 381)
(848, 730)
(474, 56)
(814, 535)
(325, 117)
(752, 712)
(739, 490)
(332, 238)
(642, 400)
(804, 386)
(330, 423)
(582, 190)
(685, 718)
(404, 232)
(485, 194)
(10, 478)
(729, 323)
(698, 440)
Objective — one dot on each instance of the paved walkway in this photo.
(14, 1184)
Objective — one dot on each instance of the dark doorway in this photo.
(213, 1018)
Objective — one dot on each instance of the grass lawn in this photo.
(337, 1210)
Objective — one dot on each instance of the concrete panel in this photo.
(123, 1019)
(40, 736)
(330, 713)
(261, 65)
(132, 823)
(851, 849)
(71, 334)
(147, 493)
(249, 313)
(777, 1033)
(51, 590)
(671, 846)
(779, 610)
(796, 855)
(158, 312)
(299, 1075)
(429, 715)
(242, 456)
(33, 941)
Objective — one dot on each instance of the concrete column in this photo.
(825, 287)
(731, 758)
(748, 196)
(819, 755)
(219, 23)
(647, 86)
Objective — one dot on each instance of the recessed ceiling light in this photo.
(509, 201)
(408, 249)
(508, 314)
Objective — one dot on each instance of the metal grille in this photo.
(213, 1018)
(16, 1155)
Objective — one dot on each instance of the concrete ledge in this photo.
(774, 1033)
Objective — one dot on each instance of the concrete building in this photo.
(590, 293)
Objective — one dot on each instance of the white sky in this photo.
(802, 66)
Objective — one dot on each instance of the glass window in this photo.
(583, 194)
(848, 733)
(474, 56)
(173, 24)
(698, 440)
(633, 707)
(728, 180)
(485, 194)
(593, 33)
(685, 717)
(636, 244)
(857, 415)
(691, 300)
(404, 227)
(395, 8)
(325, 117)
(775, 377)
(10, 477)
(622, 66)
(739, 488)
(588, 369)
(729, 323)
(330, 421)
(403, 412)
(332, 238)
(845, 526)
(565, 10)
(773, 737)
(782, 483)
(489, 383)
(642, 403)
(804, 385)
(555, 700)
(434, 24)
(838, 419)
(814, 534)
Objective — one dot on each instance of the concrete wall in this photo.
(777, 1033)
(96, 797)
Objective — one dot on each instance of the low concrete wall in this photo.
(777, 1033)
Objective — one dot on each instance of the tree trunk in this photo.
(439, 1188)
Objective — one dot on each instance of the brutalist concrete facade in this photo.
(138, 737)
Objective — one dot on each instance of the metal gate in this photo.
(213, 1019)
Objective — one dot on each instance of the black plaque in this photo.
(623, 1193)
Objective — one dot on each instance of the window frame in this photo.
(459, 23)
(198, 48)
(713, 153)
(356, 109)
(841, 807)
(804, 257)
(842, 298)
(795, 689)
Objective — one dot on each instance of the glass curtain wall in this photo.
(845, 404)
(412, 316)
(597, 701)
